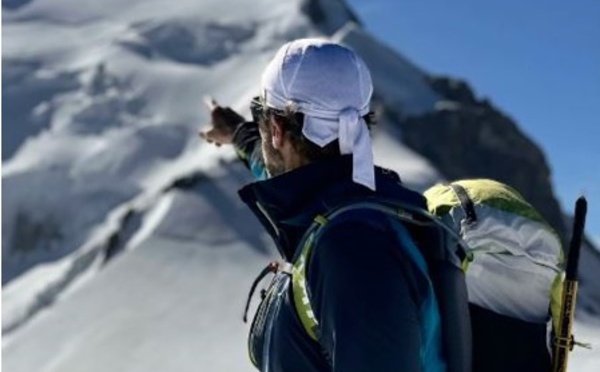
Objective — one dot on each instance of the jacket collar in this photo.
(286, 204)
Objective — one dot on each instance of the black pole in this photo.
(563, 340)
(576, 237)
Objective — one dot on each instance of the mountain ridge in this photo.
(139, 209)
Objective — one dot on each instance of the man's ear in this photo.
(277, 134)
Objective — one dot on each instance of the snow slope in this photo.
(128, 120)
(124, 245)
(174, 303)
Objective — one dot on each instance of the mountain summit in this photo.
(124, 244)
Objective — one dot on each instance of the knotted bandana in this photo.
(332, 87)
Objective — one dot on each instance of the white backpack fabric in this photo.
(515, 261)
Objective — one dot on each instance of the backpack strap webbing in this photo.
(466, 202)
(300, 292)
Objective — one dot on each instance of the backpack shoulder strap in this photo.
(447, 279)
(311, 236)
(299, 285)
(299, 264)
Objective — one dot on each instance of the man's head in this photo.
(315, 99)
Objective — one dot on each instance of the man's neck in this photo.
(291, 158)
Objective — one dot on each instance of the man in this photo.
(372, 301)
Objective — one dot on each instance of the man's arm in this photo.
(363, 299)
(228, 127)
(247, 145)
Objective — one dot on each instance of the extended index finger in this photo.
(210, 102)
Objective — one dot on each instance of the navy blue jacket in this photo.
(367, 298)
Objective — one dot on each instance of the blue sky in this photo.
(537, 60)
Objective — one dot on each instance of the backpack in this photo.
(513, 270)
(442, 253)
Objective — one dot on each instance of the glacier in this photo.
(124, 244)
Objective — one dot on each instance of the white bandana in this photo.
(332, 87)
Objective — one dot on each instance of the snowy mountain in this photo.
(124, 245)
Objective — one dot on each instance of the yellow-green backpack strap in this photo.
(299, 285)
(299, 266)
(556, 299)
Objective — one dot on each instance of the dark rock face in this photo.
(467, 138)
(453, 89)
(329, 15)
(14, 4)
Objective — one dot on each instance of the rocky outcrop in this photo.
(468, 138)
(329, 15)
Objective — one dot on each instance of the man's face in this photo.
(271, 156)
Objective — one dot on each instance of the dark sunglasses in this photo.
(259, 111)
